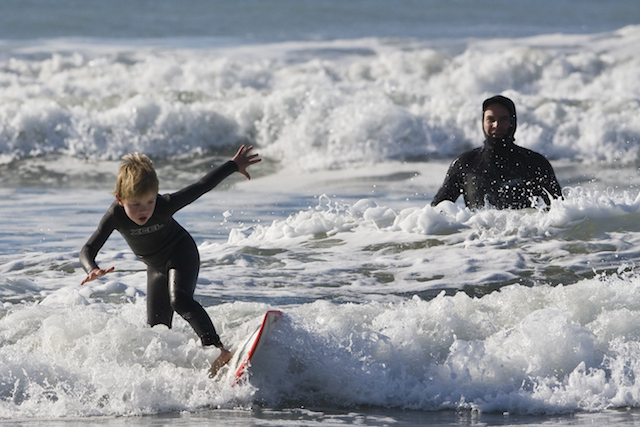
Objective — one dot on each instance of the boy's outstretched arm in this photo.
(244, 159)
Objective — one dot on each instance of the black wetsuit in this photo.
(501, 174)
(169, 252)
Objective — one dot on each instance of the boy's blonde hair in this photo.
(136, 177)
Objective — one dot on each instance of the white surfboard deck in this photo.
(241, 360)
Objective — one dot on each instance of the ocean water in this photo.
(396, 312)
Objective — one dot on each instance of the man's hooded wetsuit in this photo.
(169, 252)
(500, 173)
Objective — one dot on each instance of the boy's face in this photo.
(139, 210)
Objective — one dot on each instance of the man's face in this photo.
(496, 120)
(139, 210)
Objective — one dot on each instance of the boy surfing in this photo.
(145, 220)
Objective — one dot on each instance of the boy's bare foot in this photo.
(223, 359)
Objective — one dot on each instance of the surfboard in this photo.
(239, 364)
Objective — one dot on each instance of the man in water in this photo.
(499, 174)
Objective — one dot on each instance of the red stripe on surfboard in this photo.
(245, 363)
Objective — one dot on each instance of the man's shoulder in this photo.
(470, 154)
(464, 159)
(533, 156)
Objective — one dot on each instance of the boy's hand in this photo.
(243, 159)
(95, 273)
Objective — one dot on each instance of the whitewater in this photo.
(394, 310)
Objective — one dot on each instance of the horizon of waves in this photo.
(321, 105)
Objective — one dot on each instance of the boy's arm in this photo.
(90, 250)
(239, 163)
(189, 194)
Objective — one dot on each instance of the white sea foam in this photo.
(370, 286)
(522, 350)
(322, 105)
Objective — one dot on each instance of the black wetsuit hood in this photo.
(508, 139)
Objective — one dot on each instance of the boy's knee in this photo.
(181, 303)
